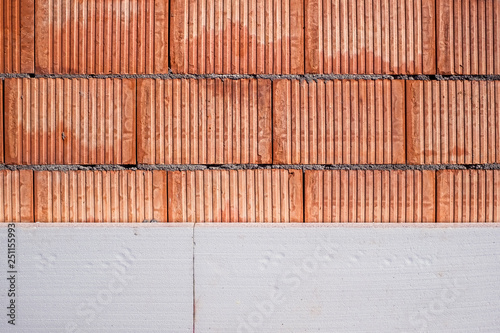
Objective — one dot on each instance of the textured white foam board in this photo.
(373, 278)
(100, 278)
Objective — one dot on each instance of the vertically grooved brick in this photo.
(370, 37)
(369, 196)
(70, 121)
(398, 122)
(100, 196)
(235, 196)
(414, 122)
(16, 196)
(467, 37)
(204, 121)
(468, 195)
(453, 122)
(101, 37)
(239, 37)
(339, 122)
(17, 36)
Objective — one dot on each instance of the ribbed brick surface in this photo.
(209, 121)
(251, 195)
(223, 37)
(252, 85)
(338, 122)
(235, 196)
(369, 196)
(453, 122)
(468, 196)
(96, 36)
(1, 123)
(255, 37)
(17, 36)
(100, 196)
(374, 36)
(16, 196)
(468, 36)
(70, 121)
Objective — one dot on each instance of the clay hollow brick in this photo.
(100, 196)
(204, 121)
(339, 122)
(260, 195)
(468, 36)
(370, 36)
(369, 196)
(468, 195)
(70, 121)
(237, 37)
(16, 196)
(453, 122)
(17, 29)
(101, 37)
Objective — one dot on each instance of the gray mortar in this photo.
(272, 77)
(171, 167)
(468, 77)
(13, 75)
(387, 167)
(191, 167)
(66, 167)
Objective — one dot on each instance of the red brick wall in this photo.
(243, 111)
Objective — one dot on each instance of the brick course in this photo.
(256, 195)
(260, 37)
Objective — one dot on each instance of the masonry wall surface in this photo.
(243, 111)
